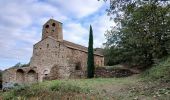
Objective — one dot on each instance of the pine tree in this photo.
(90, 61)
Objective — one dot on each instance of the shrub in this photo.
(67, 87)
(159, 71)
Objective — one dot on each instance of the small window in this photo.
(78, 66)
(46, 74)
(53, 24)
(47, 26)
(40, 48)
(47, 45)
(52, 30)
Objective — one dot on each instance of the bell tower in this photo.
(52, 28)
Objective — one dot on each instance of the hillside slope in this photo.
(159, 71)
(153, 84)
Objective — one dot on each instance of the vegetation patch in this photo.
(67, 87)
(96, 88)
(159, 71)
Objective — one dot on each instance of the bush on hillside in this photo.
(159, 71)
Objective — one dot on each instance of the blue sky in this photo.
(21, 25)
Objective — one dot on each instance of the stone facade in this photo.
(53, 58)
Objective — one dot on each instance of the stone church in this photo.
(53, 58)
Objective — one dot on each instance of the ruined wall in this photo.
(8, 77)
(110, 73)
(20, 76)
(23, 75)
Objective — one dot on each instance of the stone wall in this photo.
(109, 73)
(79, 60)
(47, 54)
(9, 77)
(19, 75)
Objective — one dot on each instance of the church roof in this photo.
(52, 20)
(78, 47)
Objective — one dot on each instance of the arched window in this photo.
(47, 26)
(45, 72)
(53, 24)
(47, 45)
(20, 70)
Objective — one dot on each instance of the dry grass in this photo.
(129, 88)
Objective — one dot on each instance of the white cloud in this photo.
(100, 26)
(22, 20)
(75, 32)
(78, 8)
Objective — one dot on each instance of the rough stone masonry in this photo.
(53, 58)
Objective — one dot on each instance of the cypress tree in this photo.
(90, 60)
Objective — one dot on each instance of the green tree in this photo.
(142, 32)
(17, 65)
(90, 61)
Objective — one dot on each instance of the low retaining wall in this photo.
(108, 73)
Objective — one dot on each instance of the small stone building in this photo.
(53, 58)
